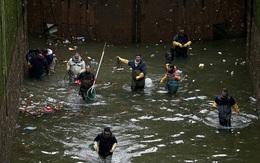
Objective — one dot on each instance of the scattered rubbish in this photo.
(37, 109)
(50, 153)
(202, 97)
(205, 49)
(224, 60)
(66, 41)
(80, 38)
(219, 53)
(243, 63)
(232, 73)
(152, 55)
(30, 128)
(48, 110)
(201, 65)
(252, 99)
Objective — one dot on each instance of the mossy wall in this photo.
(13, 46)
(10, 13)
(253, 44)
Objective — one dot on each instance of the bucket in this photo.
(173, 86)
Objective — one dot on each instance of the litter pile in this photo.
(37, 109)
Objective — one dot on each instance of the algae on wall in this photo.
(10, 13)
(253, 44)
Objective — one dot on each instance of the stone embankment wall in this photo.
(13, 46)
(253, 45)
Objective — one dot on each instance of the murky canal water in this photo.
(150, 126)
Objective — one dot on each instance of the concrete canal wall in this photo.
(13, 46)
(253, 44)
(13, 35)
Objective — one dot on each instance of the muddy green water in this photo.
(150, 126)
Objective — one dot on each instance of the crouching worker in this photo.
(224, 102)
(39, 66)
(105, 144)
(138, 71)
(172, 78)
(86, 78)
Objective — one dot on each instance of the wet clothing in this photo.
(182, 39)
(105, 144)
(87, 79)
(75, 65)
(169, 56)
(136, 70)
(173, 75)
(224, 108)
(31, 53)
(39, 66)
(51, 59)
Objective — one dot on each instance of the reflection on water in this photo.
(150, 126)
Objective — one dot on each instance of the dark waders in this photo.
(137, 84)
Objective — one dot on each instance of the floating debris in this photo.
(201, 65)
(37, 109)
(30, 128)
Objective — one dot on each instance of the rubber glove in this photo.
(187, 44)
(235, 106)
(177, 78)
(125, 61)
(177, 44)
(95, 146)
(141, 75)
(161, 81)
(113, 147)
(214, 105)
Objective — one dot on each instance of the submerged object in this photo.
(148, 82)
(29, 128)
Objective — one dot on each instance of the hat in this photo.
(181, 30)
(49, 51)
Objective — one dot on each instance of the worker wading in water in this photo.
(138, 71)
(224, 102)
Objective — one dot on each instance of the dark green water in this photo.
(150, 126)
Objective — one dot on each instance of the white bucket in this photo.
(148, 82)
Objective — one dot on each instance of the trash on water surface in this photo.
(48, 110)
(29, 128)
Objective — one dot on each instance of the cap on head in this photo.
(181, 30)
(49, 51)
